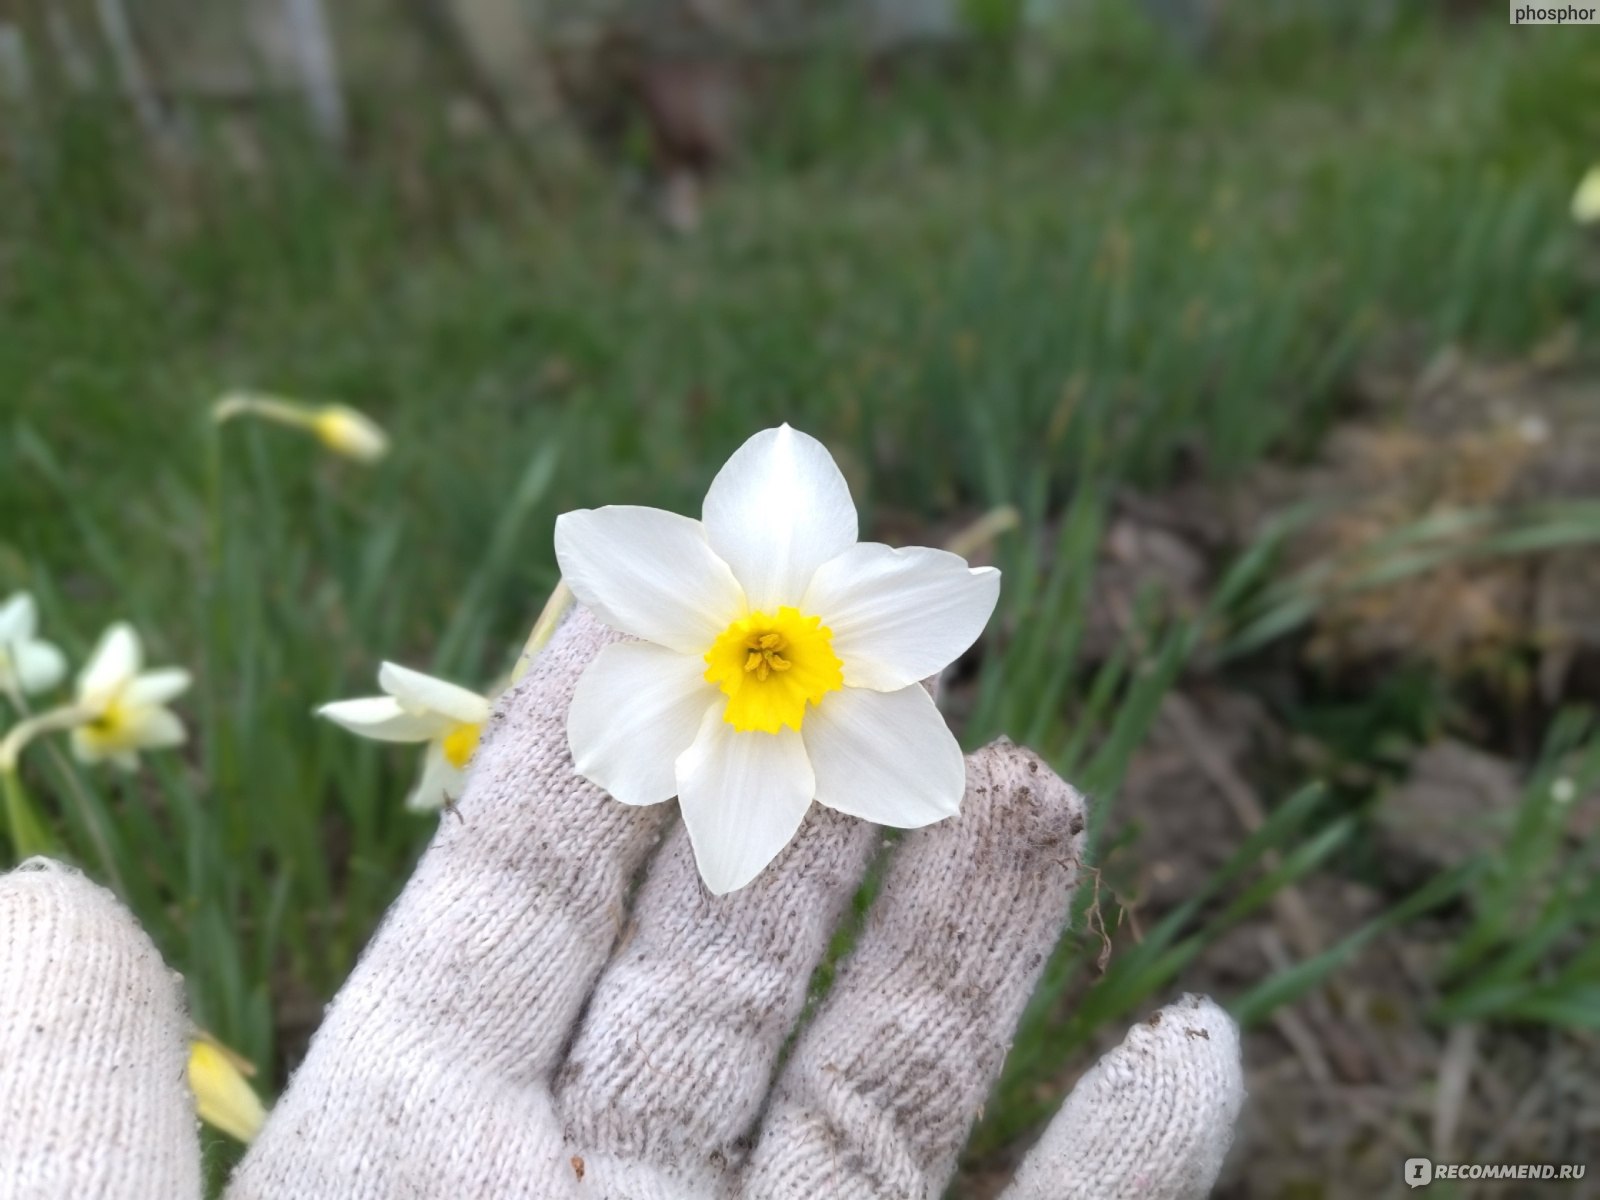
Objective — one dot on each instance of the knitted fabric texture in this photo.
(93, 1046)
(513, 1030)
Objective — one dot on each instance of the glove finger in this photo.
(677, 1050)
(1153, 1119)
(883, 1086)
(430, 1074)
(93, 1047)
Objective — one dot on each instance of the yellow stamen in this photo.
(460, 744)
(771, 667)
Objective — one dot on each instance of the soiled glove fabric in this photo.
(523, 1025)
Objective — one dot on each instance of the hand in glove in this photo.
(524, 1025)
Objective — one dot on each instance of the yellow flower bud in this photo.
(222, 1097)
(350, 433)
(340, 428)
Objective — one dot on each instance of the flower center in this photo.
(771, 667)
(110, 729)
(460, 744)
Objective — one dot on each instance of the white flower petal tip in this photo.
(886, 757)
(743, 796)
(901, 615)
(440, 783)
(419, 693)
(780, 661)
(1586, 199)
(778, 510)
(648, 573)
(28, 663)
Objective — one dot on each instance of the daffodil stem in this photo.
(24, 732)
(27, 832)
(268, 408)
(93, 820)
(554, 609)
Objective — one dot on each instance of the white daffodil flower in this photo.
(420, 708)
(781, 660)
(28, 663)
(1586, 199)
(124, 708)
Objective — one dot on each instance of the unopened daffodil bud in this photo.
(223, 1098)
(344, 430)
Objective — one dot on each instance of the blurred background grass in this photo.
(1050, 269)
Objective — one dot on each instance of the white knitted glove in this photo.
(518, 1028)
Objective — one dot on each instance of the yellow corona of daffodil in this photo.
(342, 429)
(223, 1097)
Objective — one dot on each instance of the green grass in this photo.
(1029, 289)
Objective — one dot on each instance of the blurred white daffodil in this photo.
(781, 660)
(1586, 200)
(28, 663)
(340, 428)
(420, 708)
(122, 709)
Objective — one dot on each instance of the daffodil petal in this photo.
(115, 661)
(155, 728)
(438, 782)
(19, 618)
(649, 573)
(637, 707)
(157, 687)
(886, 757)
(898, 616)
(777, 511)
(36, 665)
(383, 719)
(743, 796)
(1586, 200)
(424, 693)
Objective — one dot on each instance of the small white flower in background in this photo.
(1586, 200)
(340, 428)
(781, 660)
(28, 663)
(124, 708)
(420, 708)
